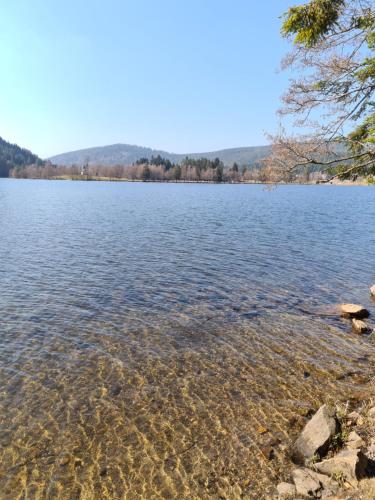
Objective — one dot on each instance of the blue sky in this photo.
(183, 75)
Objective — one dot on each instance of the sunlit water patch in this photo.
(163, 341)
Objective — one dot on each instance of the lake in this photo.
(163, 340)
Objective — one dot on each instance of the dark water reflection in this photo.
(149, 332)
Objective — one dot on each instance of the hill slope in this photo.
(12, 156)
(125, 154)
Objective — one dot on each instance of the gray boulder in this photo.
(311, 484)
(316, 435)
(349, 465)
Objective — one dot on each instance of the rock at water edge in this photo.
(349, 465)
(359, 326)
(311, 484)
(315, 437)
(353, 311)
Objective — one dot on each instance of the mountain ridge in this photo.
(126, 154)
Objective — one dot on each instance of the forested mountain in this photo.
(12, 156)
(125, 154)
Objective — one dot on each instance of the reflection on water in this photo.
(163, 341)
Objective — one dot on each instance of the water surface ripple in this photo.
(150, 333)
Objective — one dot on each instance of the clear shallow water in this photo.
(148, 332)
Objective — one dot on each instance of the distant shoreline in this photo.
(186, 181)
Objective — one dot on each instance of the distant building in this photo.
(85, 168)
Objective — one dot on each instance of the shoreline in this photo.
(264, 183)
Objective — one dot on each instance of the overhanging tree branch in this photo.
(334, 42)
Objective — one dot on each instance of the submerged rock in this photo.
(286, 490)
(316, 435)
(64, 460)
(359, 326)
(348, 465)
(372, 290)
(353, 311)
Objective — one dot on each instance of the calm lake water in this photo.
(151, 333)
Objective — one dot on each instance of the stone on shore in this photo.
(353, 311)
(349, 465)
(354, 418)
(370, 452)
(316, 435)
(311, 484)
(354, 441)
(371, 412)
(359, 326)
(286, 490)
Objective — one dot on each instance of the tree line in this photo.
(158, 169)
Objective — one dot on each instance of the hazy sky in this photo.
(180, 75)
